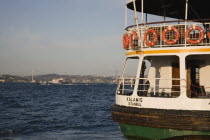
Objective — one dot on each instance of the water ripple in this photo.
(36, 112)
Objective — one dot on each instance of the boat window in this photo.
(160, 77)
(131, 67)
(198, 78)
(127, 81)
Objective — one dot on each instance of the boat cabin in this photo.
(169, 58)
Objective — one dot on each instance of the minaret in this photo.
(32, 77)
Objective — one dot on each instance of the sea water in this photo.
(57, 112)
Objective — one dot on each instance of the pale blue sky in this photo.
(61, 36)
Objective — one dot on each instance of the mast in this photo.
(136, 22)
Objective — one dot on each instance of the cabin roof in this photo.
(197, 9)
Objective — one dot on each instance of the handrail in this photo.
(167, 22)
(126, 85)
(150, 78)
(163, 35)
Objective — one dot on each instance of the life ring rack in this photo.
(201, 35)
(170, 42)
(146, 41)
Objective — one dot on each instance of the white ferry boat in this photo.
(168, 92)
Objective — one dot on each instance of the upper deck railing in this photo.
(154, 87)
(159, 87)
(181, 33)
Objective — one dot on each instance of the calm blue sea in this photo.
(57, 112)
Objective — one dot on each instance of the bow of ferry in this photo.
(164, 88)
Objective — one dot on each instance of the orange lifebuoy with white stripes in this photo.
(170, 42)
(201, 35)
(146, 41)
(128, 40)
(125, 41)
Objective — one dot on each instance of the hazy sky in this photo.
(61, 36)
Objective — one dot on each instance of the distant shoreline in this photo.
(58, 79)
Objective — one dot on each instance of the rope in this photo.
(198, 86)
(195, 85)
(196, 92)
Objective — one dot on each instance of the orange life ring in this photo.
(170, 42)
(128, 40)
(125, 41)
(208, 33)
(146, 41)
(133, 37)
(191, 41)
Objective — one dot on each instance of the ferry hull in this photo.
(149, 133)
(161, 123)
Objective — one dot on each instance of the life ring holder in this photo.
(146, 41)
(201, 37)
(170, 42)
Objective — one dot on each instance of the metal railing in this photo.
(181, 26)
(155, 87)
